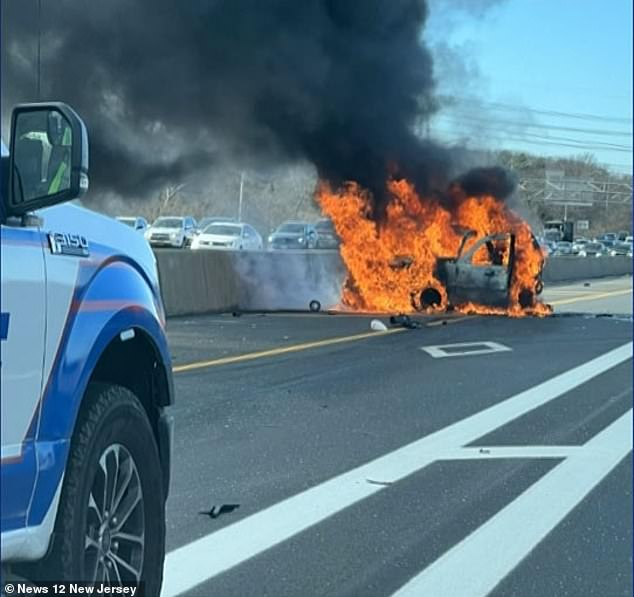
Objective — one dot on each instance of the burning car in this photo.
(471, 253)
(481, 273)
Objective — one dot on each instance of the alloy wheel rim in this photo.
(114, 543)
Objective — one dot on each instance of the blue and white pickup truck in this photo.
(85, 368)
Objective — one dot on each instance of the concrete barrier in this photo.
(195, 282)
(562, 269)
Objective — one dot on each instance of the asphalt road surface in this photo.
(471, 456)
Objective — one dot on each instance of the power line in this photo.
(526, 135)
(527, 124)
(503, 106)
(545, 141)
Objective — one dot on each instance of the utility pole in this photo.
(39, 50)
(240, 197)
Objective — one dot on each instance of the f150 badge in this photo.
(68, 244)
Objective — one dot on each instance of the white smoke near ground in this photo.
(289, 280)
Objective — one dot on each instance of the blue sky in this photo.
(528, 58)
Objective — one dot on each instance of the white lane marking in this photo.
(441, 351)
(204, 558)
(477, 564)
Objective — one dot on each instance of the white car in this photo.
(172, 231)
(229, 236)
(138, 224)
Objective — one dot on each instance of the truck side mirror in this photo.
(48, 163)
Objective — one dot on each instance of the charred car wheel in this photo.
(539, 287)
(526, 298)
(430, 298)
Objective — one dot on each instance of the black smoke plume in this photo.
(166, 87)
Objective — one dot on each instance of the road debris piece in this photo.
(378, 326)
(406, 321)
(216, 511)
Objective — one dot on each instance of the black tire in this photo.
(430, 298)
(526, 298)
(112, 420)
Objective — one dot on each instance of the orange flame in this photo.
(390, 260)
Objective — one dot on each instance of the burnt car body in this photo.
(466, 281)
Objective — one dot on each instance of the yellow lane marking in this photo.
(250, 356)
(591, 297)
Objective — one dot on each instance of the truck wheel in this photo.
(111, 520)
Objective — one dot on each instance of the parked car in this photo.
(237, 236)
(212, 220)
(578, 245)
(608, 239)
(139, 224)
(294, 235)
(621, 248)
(563, 248)
(622, 235)
(593, 249)
(172, 231)
(326, 236)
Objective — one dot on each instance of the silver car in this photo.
(172, 231)
(136, 223)
(326, 236)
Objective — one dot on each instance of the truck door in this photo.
(22, 328)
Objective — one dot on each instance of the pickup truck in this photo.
(86, 371)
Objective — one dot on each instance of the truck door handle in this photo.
(489, 273)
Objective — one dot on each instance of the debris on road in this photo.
(378, 326)
(216, 511)
(405, 321)
(384, 483)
